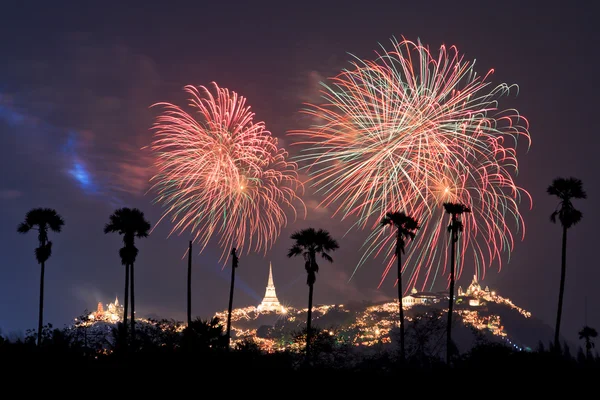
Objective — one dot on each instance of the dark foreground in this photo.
(211, 358)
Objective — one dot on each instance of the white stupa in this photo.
(270, 302)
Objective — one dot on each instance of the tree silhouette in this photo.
(565, 189)
(456, 226)
(204, 335)
(189, 286)
(42, 219)
(234, 265)
(588, 333)
(405, 230)
(310, 242)
(131, 224)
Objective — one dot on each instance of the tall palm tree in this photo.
(42, 219)
(456, 226)
(234, 264)
(405, 229)
(131, 224)
(587, 333)
(310, 242)
(189, 286)
(565, 189)
(128, 255)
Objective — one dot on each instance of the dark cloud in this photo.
(95, 99)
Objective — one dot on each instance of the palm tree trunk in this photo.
(230, 305)
(189, 286)
(132, 308)
(308, 321)
(41, 307)
(561, 291)
(450, 303)
(126, 304)
(588, 348)
(402, 354)
(41, 311)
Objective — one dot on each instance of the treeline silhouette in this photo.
(207, 336)
(162, 346)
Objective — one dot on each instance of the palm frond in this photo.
(55, 221)
(294, 251)
(309, 242)
(23, 228)
(567, 188)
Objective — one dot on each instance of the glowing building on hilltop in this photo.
(420, 298)
(270, 302)
(472, 292)
(473, 289)
(113, 313)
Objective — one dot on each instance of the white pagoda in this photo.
(270, 301)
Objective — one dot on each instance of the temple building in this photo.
(475, 294)
(270, 303)
(421, 298)
(112, 314)
(473, 289)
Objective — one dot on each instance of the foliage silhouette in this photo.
(308, 243)
(189, 285)
(588, 333)
(42, 219)
(456, 226)
(405, 230)
(162, 347)
(566, 189)
(234, 265)
(425, 337)
(204, 335)
(323, 344)
(131, 224)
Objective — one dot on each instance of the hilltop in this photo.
(480, 315)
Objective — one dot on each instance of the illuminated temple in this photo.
(474, 293)
(112, 314)
(270, 302)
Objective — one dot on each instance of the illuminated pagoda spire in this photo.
(270, 301)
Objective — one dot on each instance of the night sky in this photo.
(76, 83)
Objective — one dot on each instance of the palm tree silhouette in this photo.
(41, 219)
(565, 189)
(588, 333)
(456, 226)
(234, 265)
(405, 229)
(131, 224)
(310, 242)
(189, 286)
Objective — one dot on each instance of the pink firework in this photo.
(219, 172)
(409, 131)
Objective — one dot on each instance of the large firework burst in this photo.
(221, 172)
(407, 132)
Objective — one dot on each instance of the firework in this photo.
(219, 172)
(407, 132)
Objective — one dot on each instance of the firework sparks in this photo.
(407, 132)
(222, 173)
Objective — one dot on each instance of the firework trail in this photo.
(407, 132)
(219, 172)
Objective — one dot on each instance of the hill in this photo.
(480, 315)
